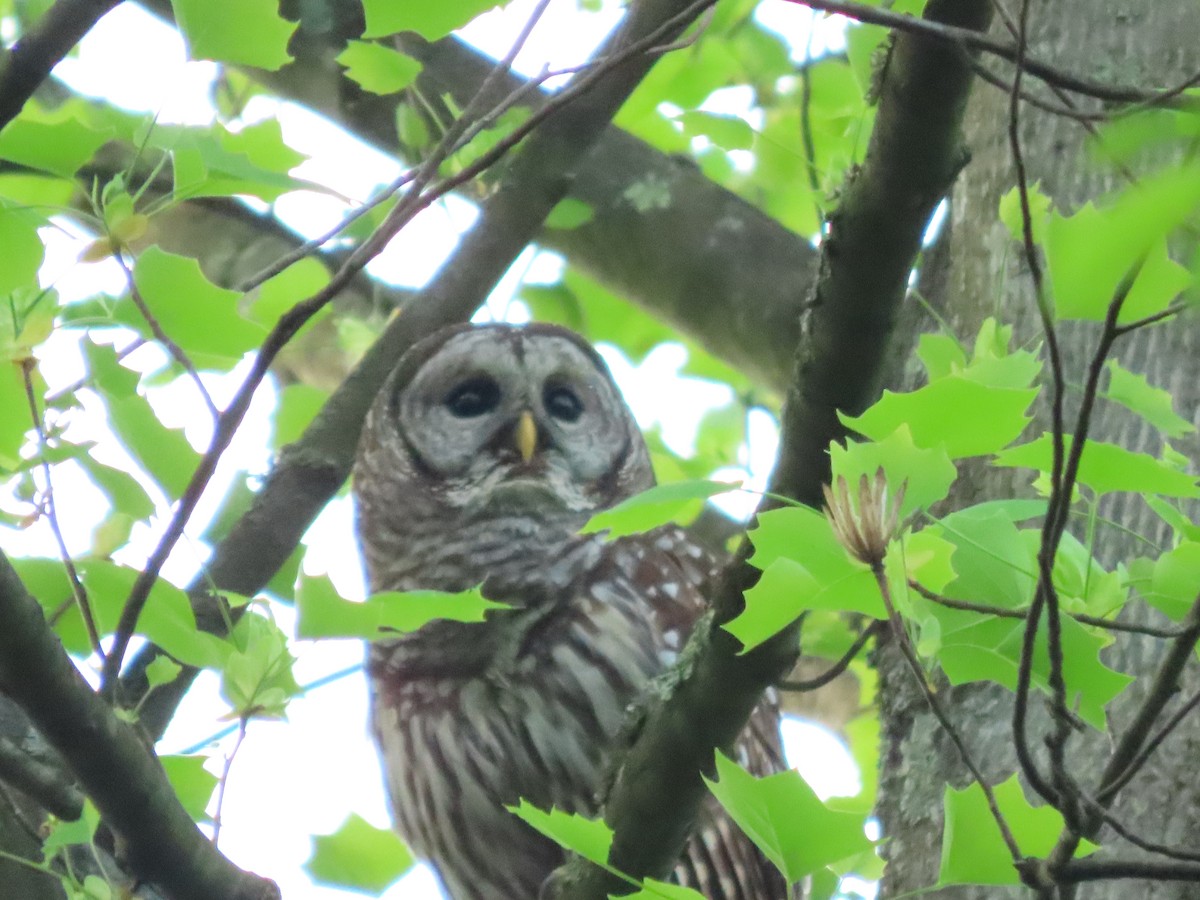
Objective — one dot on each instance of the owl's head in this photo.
(501, 419)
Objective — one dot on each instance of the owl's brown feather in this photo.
(471, 717)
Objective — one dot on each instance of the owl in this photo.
(486, 450)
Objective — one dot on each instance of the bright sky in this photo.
(303, 777)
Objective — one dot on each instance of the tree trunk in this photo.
(981, 272)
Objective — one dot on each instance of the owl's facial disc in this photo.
(509, 420)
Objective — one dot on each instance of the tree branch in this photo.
(112, 764)
(42, 47)
(914, 154)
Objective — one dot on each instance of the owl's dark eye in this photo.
(473, 397)
(562, 403)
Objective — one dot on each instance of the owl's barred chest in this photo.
(526, 705)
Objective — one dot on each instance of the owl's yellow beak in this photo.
(526, 435)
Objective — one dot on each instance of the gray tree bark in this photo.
(978, 272)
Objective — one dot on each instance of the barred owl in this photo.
(484, 453)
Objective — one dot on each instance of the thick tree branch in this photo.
(112, 764)
(914, 154)
(42, 47)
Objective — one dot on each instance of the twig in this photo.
(1045, 589)
(811, 684)
(900, 633)
(1151, 746)
(78, 591)
(1121, 766)
(224, 780)
(975, 40)
(1004, 612)
(176, 352)
(1079, 870)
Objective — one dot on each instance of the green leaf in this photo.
(359, 856)
(1106, 468)
(656, 506)
(257, 677)
(12, 426)
(322, 613)
(121, 489)
(193, 311)
(1153, 404)
(660, 890)
(973, 851)
(378, 69)
(56, 142)
(167, 618)
(193, 784)
(69, 834)
(964, 417)
(298, 405)
(786, 820)
(804, 567)
(941, 354)
(1175, 581)
(590, 838)
(725, 131)
(163, 452)
(163, 670)
(430, 20)
(1040, 207)
(569, 213)
(23, 252)
(242, 32)
(927, 473)
(1090, 252)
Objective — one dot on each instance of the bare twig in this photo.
(1045, 592)
(1004, 612)
(811, 684)
(974, 40)
(243, 721)
(78, 591)
(173, 349)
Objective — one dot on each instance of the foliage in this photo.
(969, 590)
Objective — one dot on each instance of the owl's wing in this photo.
(719, 860)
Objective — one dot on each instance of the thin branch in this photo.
(107, 756)
(811, 684)
(173, 349)
(1004, 612)
(974, 40)
(42, 47)
(1080, 870)
(904, 641)
(78, 591)
(1045, 592)
(243, 721)
(1152, 745)
(1128, 751)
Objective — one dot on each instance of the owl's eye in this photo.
(474, 397)
(562, 403)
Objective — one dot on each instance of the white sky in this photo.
(303, 777)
